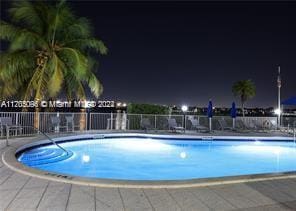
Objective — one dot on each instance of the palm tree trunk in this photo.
(36, 118)
(243, 110)
(83, 119)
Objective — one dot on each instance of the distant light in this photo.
(118, 104)
(183, 155)
(184, 108)
(277, 111)
(85, 158)
(257, 142)
(124, 104)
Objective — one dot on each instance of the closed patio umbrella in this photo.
(233, 114)
(210, 114)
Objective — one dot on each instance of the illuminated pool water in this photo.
(159, 159)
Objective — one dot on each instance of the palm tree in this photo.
(49, 53)
(245, 90)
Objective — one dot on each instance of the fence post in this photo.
(7, 134)
(155, 122)
(184, 123)
(90, 120)
(87, 119)
(111, 119)
(37, 119)
(16, 122)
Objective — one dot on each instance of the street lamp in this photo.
(184, 109)
(277, 111)
(279, 85)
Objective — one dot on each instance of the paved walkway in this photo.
(21, 192)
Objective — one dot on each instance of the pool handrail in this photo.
(39, 131)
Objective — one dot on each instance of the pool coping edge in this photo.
(9, 159)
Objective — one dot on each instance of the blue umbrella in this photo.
(210, 114)
(233, 114)
(210, 109)
(233, 110)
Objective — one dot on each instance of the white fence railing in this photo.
(49, 122)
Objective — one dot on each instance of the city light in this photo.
(184, 108)
(277, 111)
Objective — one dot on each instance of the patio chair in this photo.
(269, 125)
(240, 124)
(145, 124)
(70, 121)
(223, 125)
(6, 123)
(55, 123)
(255, 125)
(195, 125)
(174, 126)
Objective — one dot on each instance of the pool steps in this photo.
(37, 157)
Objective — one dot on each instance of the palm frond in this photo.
(88, 44)
(11, 63)
(28, 14)
(56, 78)
(75, 60)
(7, 31)
(49, 50)
(81, 28)
(95, 85)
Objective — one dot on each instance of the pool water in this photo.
(158, 159)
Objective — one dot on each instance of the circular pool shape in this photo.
(161, 158)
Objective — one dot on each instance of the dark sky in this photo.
(187, 52)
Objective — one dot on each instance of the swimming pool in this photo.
(158, 158)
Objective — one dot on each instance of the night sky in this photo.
(188, 52)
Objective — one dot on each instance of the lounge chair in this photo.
(195, 125)
(258, 126)
(269, 125)
(253, 126)
(145, 124)
(240, 124)
(6, 123)
(223, 125)
(174, 126)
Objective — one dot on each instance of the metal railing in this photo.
(38, 131)
(69, 122)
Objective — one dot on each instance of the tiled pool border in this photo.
(9, 159)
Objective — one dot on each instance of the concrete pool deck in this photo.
(22, 192)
